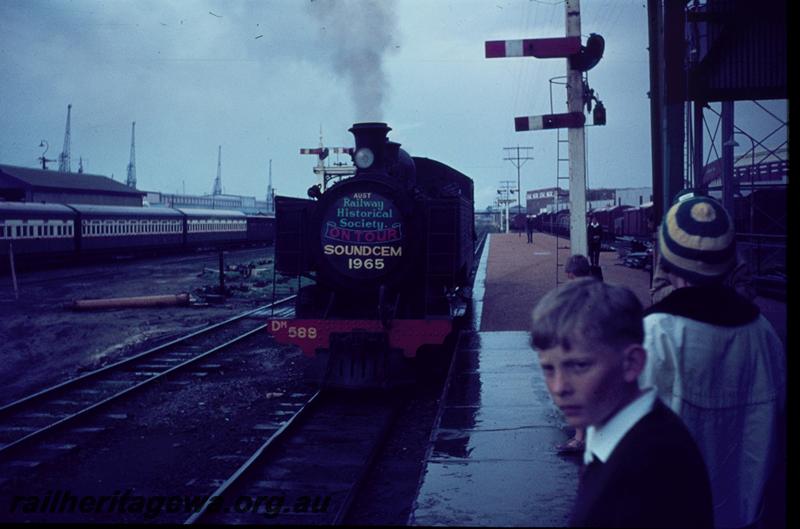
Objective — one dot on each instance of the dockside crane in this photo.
(131, 181)
(218, 180)
(63, 158)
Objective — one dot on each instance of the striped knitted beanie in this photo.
(697, 239)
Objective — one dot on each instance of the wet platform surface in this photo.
(492, 461)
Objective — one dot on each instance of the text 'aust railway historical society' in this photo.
(363, 231)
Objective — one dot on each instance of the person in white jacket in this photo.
(716, 360)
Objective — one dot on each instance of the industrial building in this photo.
(24, 184)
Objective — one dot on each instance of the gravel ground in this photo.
(44, 342)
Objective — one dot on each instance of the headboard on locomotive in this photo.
(387, 248)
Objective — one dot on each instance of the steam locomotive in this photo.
(390, 253)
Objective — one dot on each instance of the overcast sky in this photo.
(262, 77)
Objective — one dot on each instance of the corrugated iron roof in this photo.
(28, 208)
(125, 211)
(198, 212)
(39, 178)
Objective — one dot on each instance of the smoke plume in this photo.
(357, 35)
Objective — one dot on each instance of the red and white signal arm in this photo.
(549, 48)
(567, 120)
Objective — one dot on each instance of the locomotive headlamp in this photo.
(363, 158)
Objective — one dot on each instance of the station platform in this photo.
(491, 459)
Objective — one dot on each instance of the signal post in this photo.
(578, 242)
(579, 59)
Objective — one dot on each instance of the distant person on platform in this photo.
(529, 228)
(595, 239)
(716, 361)
(642, 468)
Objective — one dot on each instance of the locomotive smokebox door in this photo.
(362, 359)
(364, 235)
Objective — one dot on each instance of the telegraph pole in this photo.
(518, 162)
(505, 192)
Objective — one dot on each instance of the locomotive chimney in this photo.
(370, 151)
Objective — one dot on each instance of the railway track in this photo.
(311, 468)
(30, 422)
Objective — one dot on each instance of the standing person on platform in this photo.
(529, 228)
(577, 266)
(642, 467)
(595, 239)
(740, 277)
(715, 360)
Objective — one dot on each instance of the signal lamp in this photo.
(599, 114)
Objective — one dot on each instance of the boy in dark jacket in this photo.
(642, 468)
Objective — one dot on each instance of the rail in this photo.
(170, 361)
